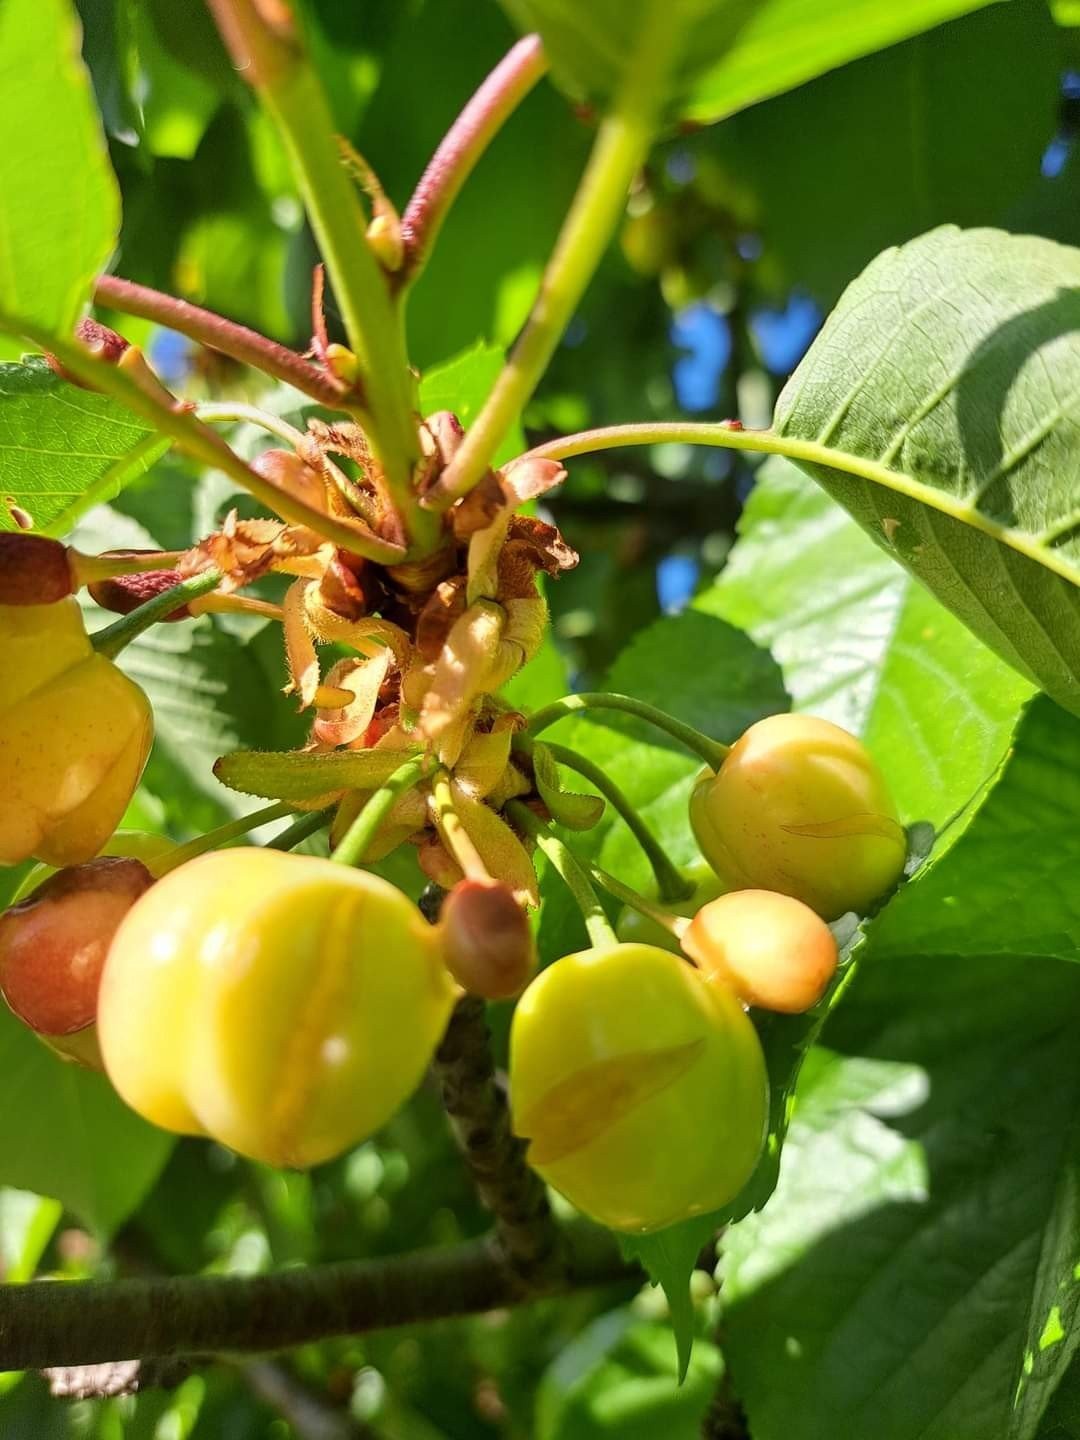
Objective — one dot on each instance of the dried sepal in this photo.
(364, 679)
(301, 656)
(505, 857)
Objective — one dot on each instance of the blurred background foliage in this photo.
(737, 240)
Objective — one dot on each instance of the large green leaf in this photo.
(788, 42)
(729, 54)
(863, 644)
(914, 1274)
(906, 166)
(939, 405)
(66, 1134)
(63, 449)
(594, 47)
(61, 208)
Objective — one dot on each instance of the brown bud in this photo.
(99, 340)
(487, 944)
(33, 570)
(124, 593)
(53, 944)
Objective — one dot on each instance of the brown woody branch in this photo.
(45, 1324)
(217, 333)
(525, 1230)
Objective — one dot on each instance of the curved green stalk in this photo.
(366, 826)
(570, 870)
(671, 884)
(301, 829)
(674, 924)
(113, 638)
(713, 752)
(729, 435)
(214, 839)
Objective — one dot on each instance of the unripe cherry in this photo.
(486, 939)
(282, 1004)
(54, 942)
(640, 1087)
(798, 806)
(75, 733)
(771, 949)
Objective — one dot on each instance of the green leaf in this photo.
(574, 811)
(788, 42)
(906, 166)
(462, 384)
(66, 1134)
(293, 776)
(924, 1226)
(1007, 884)
(730, 54)
(63, 449)
(670, 1258)
(863, 644)
(61, 204)
(616, 1379)
(592, 48)
(939, 405)
(27, 1223)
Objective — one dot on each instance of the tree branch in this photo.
(525, 1231)
(462, 146)
(44, 1324)
(217, 333)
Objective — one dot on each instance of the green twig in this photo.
(570, 870)
(113, 638)
(280, 72)
(713, 752)
(674, 924)
(362, 831)
(621, 146)
(200, 442)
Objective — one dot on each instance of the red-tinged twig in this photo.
(464, 143)
(217, 333)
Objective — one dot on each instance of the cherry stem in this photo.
(215, 839)
(307, 825)
(570, 870)
(453, 833)
(713, 752)
(671, 884)
(217, 333)
(122, 632)
(363, 830)
(88, 569)
(461, 148)
(237, 412)
(674, 924)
